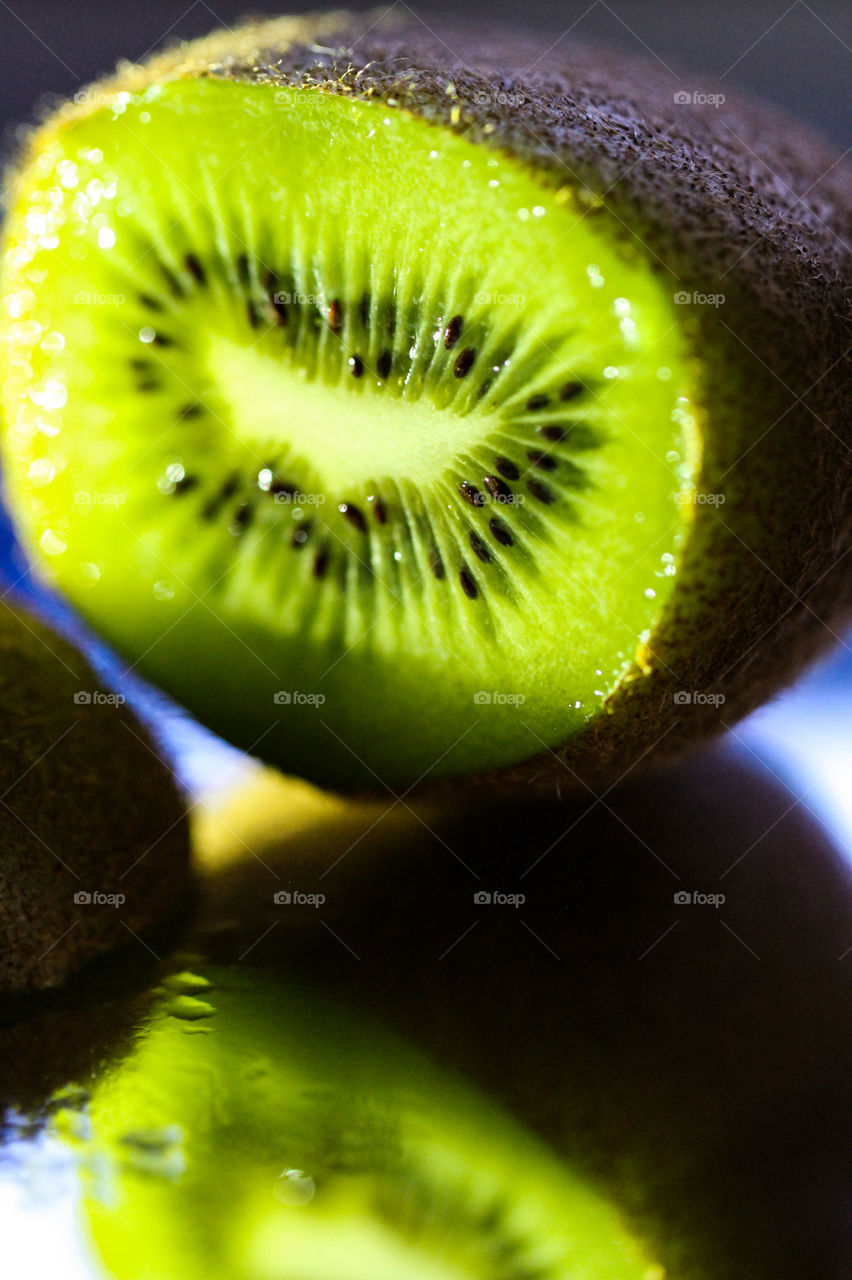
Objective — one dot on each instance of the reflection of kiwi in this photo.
(343, 379)
(696, 1058)
(257, 1131)
(93, 841)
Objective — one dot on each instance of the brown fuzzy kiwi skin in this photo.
(86, 804)
(734, 200)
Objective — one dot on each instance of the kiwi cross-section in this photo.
(372, 428)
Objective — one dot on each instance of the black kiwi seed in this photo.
(242, 516)
(379, 510)
(282, 486)
(571, 390)
(436, 564)
(253, 315)
(452, 332)
(507, 468)
(540, 491)
(142, 365)
(354, 515)
(148, 383)
(479, 547)
(195, 269)
(468, 583)
(278, 303)
(190, 411)
(384, 362)
(163, 340)
(243, 268)
(556, 433)
(175, 286)
(497, 488)
(153, 304)
(186, 484)
(356, 366)
(228, 489)
(500, 531)
(538, 401)
(543, 461)
(464, 362)
(471, 494)
(321, 562)
(335, 315)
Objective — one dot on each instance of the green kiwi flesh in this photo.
(365, 414)
(318, 402)
(257, 1130)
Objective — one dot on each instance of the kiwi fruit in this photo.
(412, 406)
(257, 1129)
(94, 845)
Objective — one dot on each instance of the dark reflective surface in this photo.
(691, 1059)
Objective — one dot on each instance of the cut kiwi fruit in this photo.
(257, 1130)
(94, 845)
(364, 412)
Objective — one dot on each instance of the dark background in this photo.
(799, 54)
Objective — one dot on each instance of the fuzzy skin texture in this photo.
(86, 805)
(734, 200)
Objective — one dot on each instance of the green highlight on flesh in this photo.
(352, 433)
(276, 1137)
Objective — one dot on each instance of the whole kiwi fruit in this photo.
(94, 846)
(414, 406)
